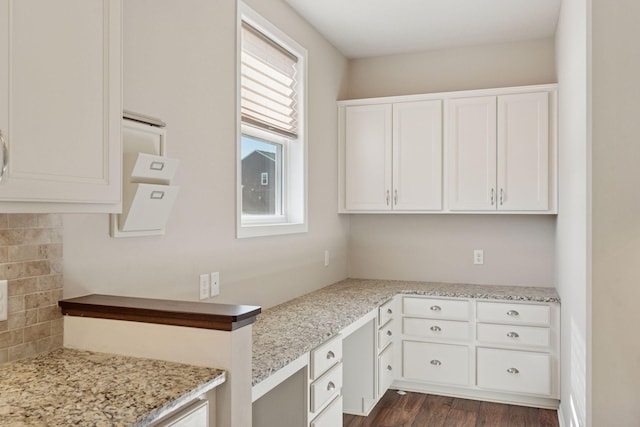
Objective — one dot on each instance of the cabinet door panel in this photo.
(417, 155)
(523, 151)
(472, 153)
(368, 157)
(61, 85)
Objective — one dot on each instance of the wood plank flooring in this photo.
(426, 410)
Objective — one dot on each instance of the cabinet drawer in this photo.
(514, 371)
(330, 417)
(325, 356)
(436, 308)
(514, 335)
(496, 312)
(385, 313)
(385, 335)
(326, 387)
(441, 329)
(441, 363)
(385, 370)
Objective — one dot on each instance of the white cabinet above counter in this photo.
(60, 106)
(480, 151)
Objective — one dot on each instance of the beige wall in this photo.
(475, 67)
(519, 250)
(615, 213)
(180, 65)
(31, 262)
(572, 258)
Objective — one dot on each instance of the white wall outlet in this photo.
(478, 256)
(205, 285)
(4, 298)
(326, 258)
(215, 284)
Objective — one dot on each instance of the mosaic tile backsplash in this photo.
(31, 261)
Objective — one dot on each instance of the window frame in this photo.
(294, 200)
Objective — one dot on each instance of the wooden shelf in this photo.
(223, 317)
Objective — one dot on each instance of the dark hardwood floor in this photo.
(425, 410)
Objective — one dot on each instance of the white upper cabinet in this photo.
(417, 156)
(499, 153)
(523, 152)
(393, 156)
(472, 153)
(368, 157)
(60, 105)
(477, 151)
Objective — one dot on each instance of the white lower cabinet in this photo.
(438, 363)
(514, 371)
(386, 370)
(331, 416)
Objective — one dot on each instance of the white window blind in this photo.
(268, 97)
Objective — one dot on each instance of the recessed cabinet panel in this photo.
(60, 92)
(523, 152)
(368, 157)
(417, 156)
(472, 153)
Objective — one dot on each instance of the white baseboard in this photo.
(561, 422)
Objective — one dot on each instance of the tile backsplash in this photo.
(31, 261)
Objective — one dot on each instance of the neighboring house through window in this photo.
(272, 163)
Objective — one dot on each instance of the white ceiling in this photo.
(361, 28)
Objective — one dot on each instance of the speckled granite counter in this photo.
(285, 332)
(80, 388)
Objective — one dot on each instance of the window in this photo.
(272, 177)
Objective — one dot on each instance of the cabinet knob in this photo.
(436, 308)
(389, 368)
(331, 386)
(5, 156)
(389, 333)
(513, 313)
(513, 335)
(513, 371)
(436, 362)
(435, 328)
(330, 355)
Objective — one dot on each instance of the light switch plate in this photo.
(215, 284)
(4, 298)
(205, 285)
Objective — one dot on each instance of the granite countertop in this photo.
(69, 387)
(285, 332)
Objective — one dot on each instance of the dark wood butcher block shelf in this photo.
(222, 317)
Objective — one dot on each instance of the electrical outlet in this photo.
(478, 256)
(205, 285)
(215, 284)
(326, 258)
(4, 297)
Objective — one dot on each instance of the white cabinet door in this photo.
(368, 157)
(60, 100)
(417, 156)
(472, 154)
(523, 152)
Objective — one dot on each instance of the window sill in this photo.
(259, 230)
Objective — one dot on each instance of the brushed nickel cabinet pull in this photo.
(513, 371)
(331, 386)
(513, 335)
(5, 157)
(513, 313)
(435, 308)
(330, 355)
(436, 362)
(436, 328)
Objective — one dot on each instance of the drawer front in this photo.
(440, 363)
(386, 370)
(326, 387)
(385, 313)
(330, 417)
(514, 371)
(514, 335)
(385, 335)
(325, 356)
(514, 314)
(440, 329)
(436, 308)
